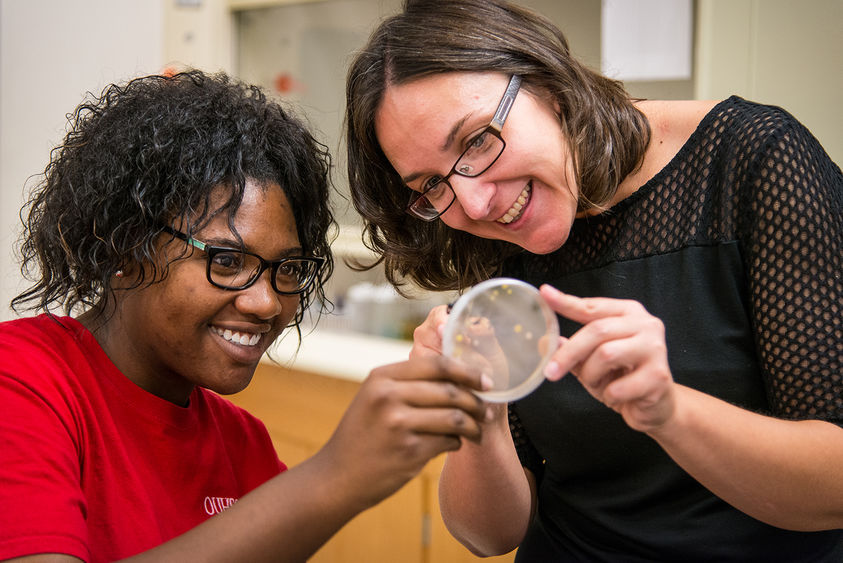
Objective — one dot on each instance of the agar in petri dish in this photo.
(504, 327)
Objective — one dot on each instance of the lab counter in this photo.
(344, 355)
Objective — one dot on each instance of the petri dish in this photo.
(504, 327)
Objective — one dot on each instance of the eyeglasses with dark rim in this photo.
(483, 150)
(229, 268)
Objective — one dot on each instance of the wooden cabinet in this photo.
(301, 410)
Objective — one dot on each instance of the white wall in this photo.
(51, 53)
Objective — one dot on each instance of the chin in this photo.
(544, 245)
(235, 383)
(555, 237)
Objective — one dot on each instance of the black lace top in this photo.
(737, 246)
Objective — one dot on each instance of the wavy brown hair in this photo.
(143, 155)
(606, 132)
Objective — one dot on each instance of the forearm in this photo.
(786, 473)
(485, 497)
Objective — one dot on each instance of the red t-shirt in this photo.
(93, 466)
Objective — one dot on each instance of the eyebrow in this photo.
(233, 245)
(449, 140)
(452, 134)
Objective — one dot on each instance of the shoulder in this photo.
(45, 354)
(743, 110)
(739, 130)
(755, 126)
(43, 381)
(8, 329)
(677, 117)
(773, 140)
(680, 119)
(43, 333)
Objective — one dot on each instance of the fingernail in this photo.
(552, 371)
(486, 382)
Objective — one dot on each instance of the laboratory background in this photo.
(54, 51)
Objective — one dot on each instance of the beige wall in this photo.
(199, 35)
(51, 53)
(783, 52)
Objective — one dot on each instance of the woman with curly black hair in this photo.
(181, 227)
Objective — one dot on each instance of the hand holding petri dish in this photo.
(504, 327)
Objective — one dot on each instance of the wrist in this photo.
(676, 422)
(335, 483)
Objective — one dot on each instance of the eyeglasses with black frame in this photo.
(483, 150)
(229, 268)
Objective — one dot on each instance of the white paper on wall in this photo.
(646, 39)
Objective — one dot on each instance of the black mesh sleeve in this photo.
(792, 245)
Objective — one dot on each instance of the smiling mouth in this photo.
(517, 208)
(241, 338)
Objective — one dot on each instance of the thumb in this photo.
(552, 371)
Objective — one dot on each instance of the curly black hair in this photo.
(148, 153)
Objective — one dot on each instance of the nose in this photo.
(474, 195)
(260, 299)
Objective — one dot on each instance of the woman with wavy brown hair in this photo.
(692, 250)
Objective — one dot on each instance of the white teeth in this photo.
(514, 212)
(241, 338)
